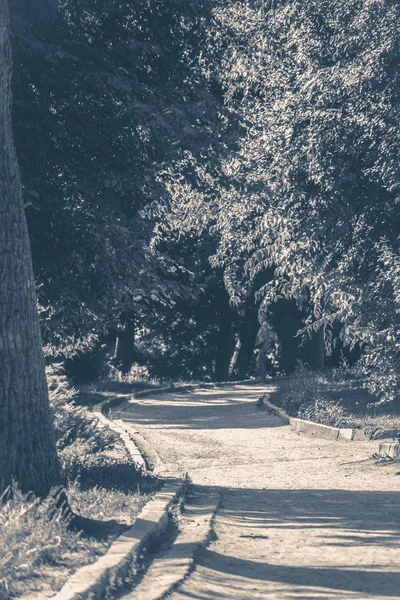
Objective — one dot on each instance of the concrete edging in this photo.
(316, 429)
(132, 448)
(92, 580)
(167, 573)
(389, 450)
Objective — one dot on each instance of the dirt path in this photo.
(300, 517)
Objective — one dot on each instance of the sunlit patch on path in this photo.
(299, 518)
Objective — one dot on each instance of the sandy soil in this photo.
(300, 517)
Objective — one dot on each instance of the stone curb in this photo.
(279, 412)
(389, 450)
(320, 430)
(92, 580)
(151, 459)
(137, 446)
(167, 573)
(132, 448)
(316, 429)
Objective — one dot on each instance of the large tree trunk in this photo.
(27, 445)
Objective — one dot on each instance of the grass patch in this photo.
(104, 504)
(39, 548)
(336, 398)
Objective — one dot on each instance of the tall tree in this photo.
(27, 446)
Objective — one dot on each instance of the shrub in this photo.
(305, 394)
(300, 390)
(79, 438)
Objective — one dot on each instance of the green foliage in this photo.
(99, 106)
(73, 422)
(305, 395)
(170, 149)
(81, 443)
(314, 184)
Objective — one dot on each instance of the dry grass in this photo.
(39, 549)
(104, 504)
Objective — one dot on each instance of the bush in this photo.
(80, 440)
(305, 395)
(300, 390)
(327, 413)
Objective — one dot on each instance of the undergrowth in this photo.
(35, 540)
(337, 398)
(106, 504)
(38, 547)
(304, 395)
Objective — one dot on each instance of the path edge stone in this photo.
(92, 580)
(317, 429)
(389, 450)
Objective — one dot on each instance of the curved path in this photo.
(300, 517)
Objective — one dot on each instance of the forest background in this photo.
(193, 170)
(205, 183)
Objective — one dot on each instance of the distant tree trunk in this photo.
(125, 343)
(247, 339)
(316, 350)
(224, 349)
(286, 319)
(27, 444)
(249, 328)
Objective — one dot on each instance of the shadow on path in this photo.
(211, 409)
(365, 526)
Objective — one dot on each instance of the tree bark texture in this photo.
(27, 445)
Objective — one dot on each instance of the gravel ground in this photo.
(301, 517)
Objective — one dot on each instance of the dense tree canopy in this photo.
(212, 166)
(99, 105)
(317, 172)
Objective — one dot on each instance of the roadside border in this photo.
(316, 429)
(91, 581)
